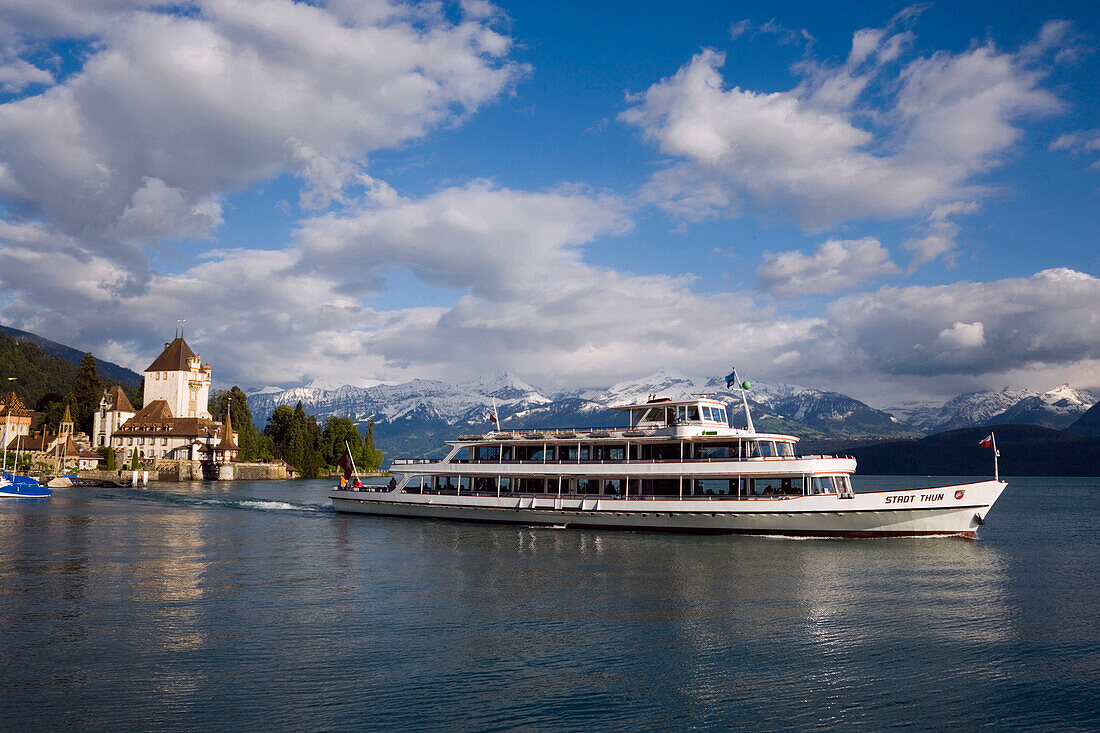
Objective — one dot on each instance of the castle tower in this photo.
(179, 378)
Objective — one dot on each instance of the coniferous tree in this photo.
(252, 445)
(87, 392)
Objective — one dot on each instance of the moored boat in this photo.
(14, 486)
(677, 466)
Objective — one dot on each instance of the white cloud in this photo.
(17, 74)
(939, 239)
(159, 210)
(808, 152)
(1082, 142)
(969, 328)
(208, 102)
(837, 265)
(962, 336)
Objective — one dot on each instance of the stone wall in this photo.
(178, 470)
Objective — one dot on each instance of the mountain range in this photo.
(414, 418)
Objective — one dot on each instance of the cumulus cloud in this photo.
(175, 110)
(971, 328)
(837, 265)
(493, 241)
(809, 151)
(939, 239)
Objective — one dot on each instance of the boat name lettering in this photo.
(907, 498)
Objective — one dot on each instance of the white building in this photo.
(114, 410)
(175, 422)
(179, 378)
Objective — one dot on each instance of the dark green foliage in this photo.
(42, 378)
(109, 457)
(296, 439)
(51, 416)
(299, 440)
(253, 446)
(87, 392)
(341, 430)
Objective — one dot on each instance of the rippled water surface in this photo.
(253, 604)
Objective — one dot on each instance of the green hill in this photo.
(1026, 450)
(107, 370)
(38, 373)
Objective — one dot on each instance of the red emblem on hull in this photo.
(959, 494)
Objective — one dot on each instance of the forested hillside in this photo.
(40, 378)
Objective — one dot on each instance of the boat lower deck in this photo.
(955, 510)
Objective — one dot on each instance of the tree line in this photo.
(295, 437)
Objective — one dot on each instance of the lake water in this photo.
(254, 605)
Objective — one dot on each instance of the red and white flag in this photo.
(987, 442)
(493, 418)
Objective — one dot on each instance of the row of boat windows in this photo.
(684, 413)
(732, 486)
(638, 451)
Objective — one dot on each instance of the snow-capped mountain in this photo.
(415, 417)
(1056, 408)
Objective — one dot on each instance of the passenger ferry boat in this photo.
(679, 466)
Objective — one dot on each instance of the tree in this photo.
(51, 417)
(234, 401)
(109, 457)
(296, 439)
(339, 430)
(87, 392)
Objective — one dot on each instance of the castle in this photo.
(175, 422)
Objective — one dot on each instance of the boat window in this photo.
(705, 409)
(775, 486)
(569, 453)
(608, 452)
(613, 486)
(681, 413)
(715, 487)
(821, 485)
(487, 453)
(507, 452)
(764, 449)
(703, 450)
(786, 450)
(842, 485)
(503, 485)
(540, 454)
(693, 413)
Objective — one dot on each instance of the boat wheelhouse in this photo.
(678, 465)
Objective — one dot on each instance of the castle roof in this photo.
(157, 410)
(173, 358)
(117, 400)
(227, 433)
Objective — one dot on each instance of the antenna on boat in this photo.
(732, 379)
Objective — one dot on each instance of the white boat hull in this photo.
(948, 510)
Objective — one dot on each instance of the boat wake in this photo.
(240, 504)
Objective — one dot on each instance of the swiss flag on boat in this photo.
(987, 442)
(347, 463)
(493, 418)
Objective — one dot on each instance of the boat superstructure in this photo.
(679, 465)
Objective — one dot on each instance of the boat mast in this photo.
(996, 455)
(743, 386)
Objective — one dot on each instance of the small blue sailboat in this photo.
(14, 486)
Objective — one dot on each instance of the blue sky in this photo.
(892, 200)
